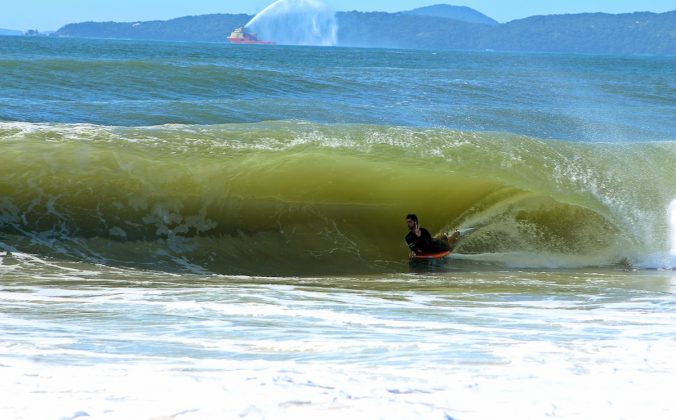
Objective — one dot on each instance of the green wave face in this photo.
(290, 198)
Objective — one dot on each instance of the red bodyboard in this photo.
(434, 256)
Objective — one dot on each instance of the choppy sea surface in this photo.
(213, 231)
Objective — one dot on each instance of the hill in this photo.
(373, 30)
(461, 13)
(596, 33)
(208, 28)
(630, 33)
(10, 32)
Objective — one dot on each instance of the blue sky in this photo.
(52, 14)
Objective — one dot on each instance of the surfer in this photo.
(420, 241)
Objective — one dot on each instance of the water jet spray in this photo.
(296, 22)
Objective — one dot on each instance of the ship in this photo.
(243, 36)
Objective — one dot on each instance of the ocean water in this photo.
(214, 231)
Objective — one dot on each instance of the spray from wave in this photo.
(672, 225)
(296, 22)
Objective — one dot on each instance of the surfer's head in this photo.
(411, 221)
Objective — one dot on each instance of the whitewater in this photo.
(201, 231)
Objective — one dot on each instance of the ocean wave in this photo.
(284, 198)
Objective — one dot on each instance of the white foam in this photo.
(672, 228)
(664, 259)
(534, 345)
(596, 379)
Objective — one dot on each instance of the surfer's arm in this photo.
(414, 249)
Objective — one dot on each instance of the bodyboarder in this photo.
(420, 241)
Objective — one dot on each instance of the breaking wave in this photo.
(285, 198)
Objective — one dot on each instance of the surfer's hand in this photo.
(416, 230)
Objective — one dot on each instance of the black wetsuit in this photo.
(424, 244)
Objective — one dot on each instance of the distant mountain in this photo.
(594, 33)
(10, 32)
(209, 28)
(630, 33)
(403, 30)
(461, 13)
